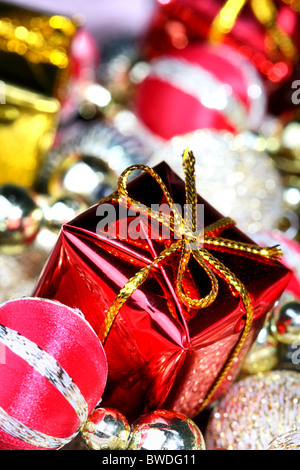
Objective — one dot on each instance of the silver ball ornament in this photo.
(61, 210)
(83, 175)
(165, 430)
(106, 429)
(20, 219)
(285, 323)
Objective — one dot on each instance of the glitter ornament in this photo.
(20, 219)
(256, 410)
(165, 430)
(287, 441)
(53, 371)
(106, 429)
(237, 180)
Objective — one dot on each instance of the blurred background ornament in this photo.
(165, 430)
(118, 56)
(28, 122)
(84, 176)
(25, 214)
(34, 67)
(281, 331)
(237, 180)
(105, 21)
(265, 32)
(97, 140)
(29, 226)
(20, 219)
(60, 210)
(289, 356)
(285, 323)
(287, 441)
(287, 160)
(200, 86)
(263, 355)
(106, 429)
(255, 410)
(37, 47)
(84, 63)
(289, 148)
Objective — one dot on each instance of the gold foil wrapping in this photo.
(35, 49)
(34, 68)
(27, 126)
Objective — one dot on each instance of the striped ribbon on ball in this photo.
(49, 368)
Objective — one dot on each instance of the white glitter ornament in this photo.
(287, 441)
(255, 411)
(234, 178)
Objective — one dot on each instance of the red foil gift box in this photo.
(162, 351)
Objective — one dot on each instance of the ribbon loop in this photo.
(173, 222)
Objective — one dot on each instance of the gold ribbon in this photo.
(186, 231)
(265, 11)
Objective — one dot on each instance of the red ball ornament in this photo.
(266, 32)
(201, 86)
(53, 371)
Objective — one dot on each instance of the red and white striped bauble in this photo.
(53, 372)
(201, 86)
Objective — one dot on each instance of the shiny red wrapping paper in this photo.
(160, 354)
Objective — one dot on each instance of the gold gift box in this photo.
(34, 70)
(27, 127)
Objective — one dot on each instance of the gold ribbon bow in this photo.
(187, 229)
(265, 11)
